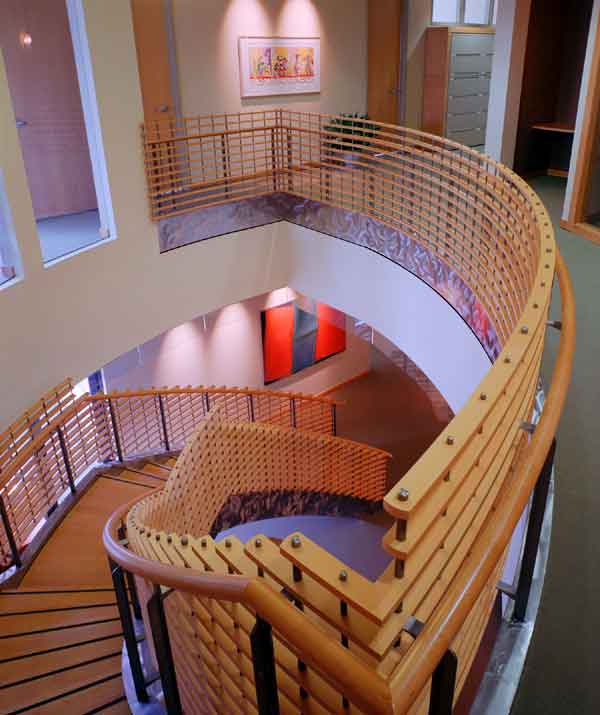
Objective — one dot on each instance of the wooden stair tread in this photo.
(14, 671)
(53, 686)
(85, 700)
(119, 708)
(11, 625)
(27, 602)
(156, 469)
(19, 646)
(133, 477)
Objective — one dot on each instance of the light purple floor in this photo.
(355, 542)
(62, 235)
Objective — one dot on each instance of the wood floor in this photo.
(60, 633)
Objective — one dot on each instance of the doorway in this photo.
(38, 49)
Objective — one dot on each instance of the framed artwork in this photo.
(279, 65)
(295, 338)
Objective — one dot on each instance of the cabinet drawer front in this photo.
(471, 137)
(471, 64)
(469, 104)
(473, 43)
(465, 86)
(460, 122)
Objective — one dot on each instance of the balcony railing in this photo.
(45, 452)
(334, 641)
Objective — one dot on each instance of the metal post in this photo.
(137, 673)
(9, 535)
(334, 419)
(163, 421)
(65, 455)
(265, 676)
(206, 402)
(532, 540)
(293, 411)
(113, 419)
(131, 585)
(251, 408)
(164, 655)
(443, 683)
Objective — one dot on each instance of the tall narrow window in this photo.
(10, 263)
(445, 11)
(464, 12)
(44, 79)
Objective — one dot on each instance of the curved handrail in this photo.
(366, 688)
(444, 624)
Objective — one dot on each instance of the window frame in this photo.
(9, 247)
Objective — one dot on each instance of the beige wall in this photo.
(206, 38)
(225, 348)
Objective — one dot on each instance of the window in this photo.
(51, 84)
(464, 12)
(10, 264)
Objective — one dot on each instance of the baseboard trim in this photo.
(585, 230)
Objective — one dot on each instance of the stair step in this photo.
(38, 666)
(134, 477)
(20, 646)
(157, 470)
(53, 687)
(28, 601)
(11, 625)
(161, 464)
(119, 708)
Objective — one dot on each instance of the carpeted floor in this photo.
(62, 235)
(563, 665)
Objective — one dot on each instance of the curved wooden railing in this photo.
(454, 511)
(54, 443)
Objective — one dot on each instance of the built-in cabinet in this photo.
(554, 58)
(458, 70)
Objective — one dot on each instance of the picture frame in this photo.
(279, 65)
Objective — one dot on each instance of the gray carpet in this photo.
(562, 672)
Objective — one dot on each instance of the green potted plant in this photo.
(351, 133)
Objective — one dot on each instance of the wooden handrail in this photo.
(441, 629)
(351, 676)
(212, 390)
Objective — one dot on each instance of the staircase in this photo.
(60, 647)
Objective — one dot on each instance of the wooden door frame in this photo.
(91, 115)
(586, 128)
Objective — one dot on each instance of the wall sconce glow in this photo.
(25, 39)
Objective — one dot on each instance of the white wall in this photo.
(507, 79)
(225, 348)
(390, 299)
(206, 38)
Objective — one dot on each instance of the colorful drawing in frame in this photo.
(297, 336)
(278, 65)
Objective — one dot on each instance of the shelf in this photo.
(561, 127)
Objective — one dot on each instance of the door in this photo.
(38, 52)
(384, 56)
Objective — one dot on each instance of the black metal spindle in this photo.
(443, 683)
(293, 411)
(265, 676)
(118, 578)
(113, 419)
(10, 537)
(163, 421)
(164, 654)
(66, 460)
(520, 592)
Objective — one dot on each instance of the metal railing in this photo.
(46, 451)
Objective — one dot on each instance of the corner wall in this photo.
(206, 40)
(225, 348)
